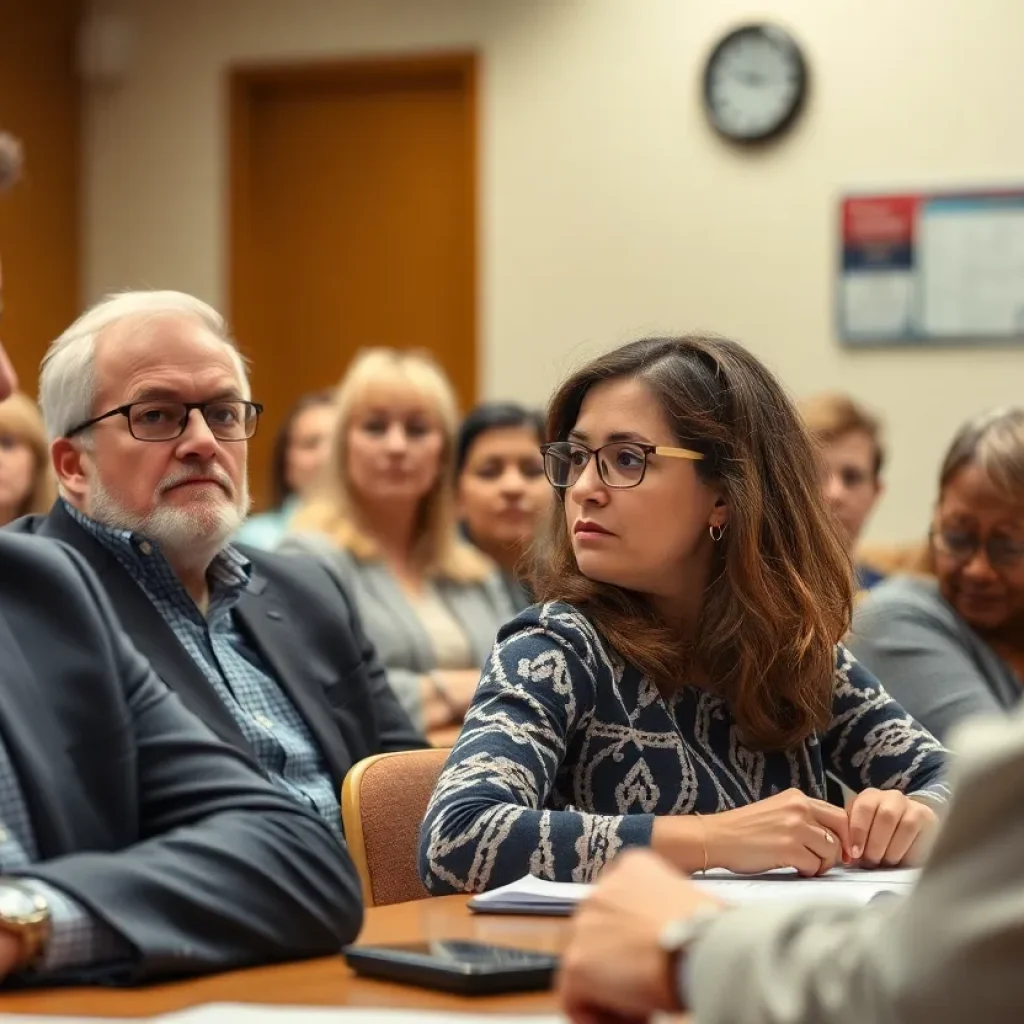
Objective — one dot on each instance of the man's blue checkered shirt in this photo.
(267, 718)
(76, 937)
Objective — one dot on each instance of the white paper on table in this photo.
(533, 895)
(530, 895)
(242, 1013)
(848, 887)
(853, 885)
(882, 877)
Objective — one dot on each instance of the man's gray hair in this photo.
(67, 377)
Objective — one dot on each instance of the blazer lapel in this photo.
(148, 629)
(267, 626)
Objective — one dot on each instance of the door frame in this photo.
(244, 83)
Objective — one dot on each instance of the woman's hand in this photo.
(789, 830)
(888, 829)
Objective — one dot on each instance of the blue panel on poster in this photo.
(890, 257)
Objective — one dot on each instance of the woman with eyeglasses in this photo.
(681, 685)
(951, 645)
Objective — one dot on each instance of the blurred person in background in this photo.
(850, 440)
(950, 645)
(385, 525)
(27, 483)
(501, 488)
(299, 453)
(26, 478)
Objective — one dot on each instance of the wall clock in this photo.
(755, 81)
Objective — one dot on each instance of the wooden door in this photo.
(353, 223)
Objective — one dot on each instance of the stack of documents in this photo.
(530, 895)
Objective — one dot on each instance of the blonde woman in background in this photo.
(384, 523)
(26, 478)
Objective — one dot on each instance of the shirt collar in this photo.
(229, 572)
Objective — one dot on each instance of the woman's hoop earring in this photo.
(716, 532)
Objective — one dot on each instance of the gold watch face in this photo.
(19, 907)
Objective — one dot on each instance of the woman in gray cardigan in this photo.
(383, 523)
(952, 647)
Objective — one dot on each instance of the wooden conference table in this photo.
(328, 982)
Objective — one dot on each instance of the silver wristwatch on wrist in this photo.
(677, 938)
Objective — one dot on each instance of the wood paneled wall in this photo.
(39, 219)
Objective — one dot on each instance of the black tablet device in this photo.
(455, 965)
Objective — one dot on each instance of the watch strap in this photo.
(676, 940)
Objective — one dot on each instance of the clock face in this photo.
(754, 83)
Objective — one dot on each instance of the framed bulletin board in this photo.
(932, 268)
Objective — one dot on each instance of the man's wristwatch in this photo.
(25, 914)
(675, 941)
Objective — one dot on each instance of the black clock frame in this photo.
(779, 37)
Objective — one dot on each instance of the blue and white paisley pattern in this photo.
(568, 754)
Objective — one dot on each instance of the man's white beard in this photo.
(184, 535)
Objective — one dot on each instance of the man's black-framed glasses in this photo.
(229, 419)
(961, 546)
(620, 464)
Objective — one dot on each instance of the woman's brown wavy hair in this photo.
(781, 587)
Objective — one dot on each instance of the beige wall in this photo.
(608, 207)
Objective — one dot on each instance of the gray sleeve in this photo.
(947, 953)
(500, 599)
(922, 663)
(797, 965)
(404, 683)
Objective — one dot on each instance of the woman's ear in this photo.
(719, 513)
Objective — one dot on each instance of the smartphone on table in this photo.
(456, 965)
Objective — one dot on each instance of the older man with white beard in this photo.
(147, 402)
(184, 488)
